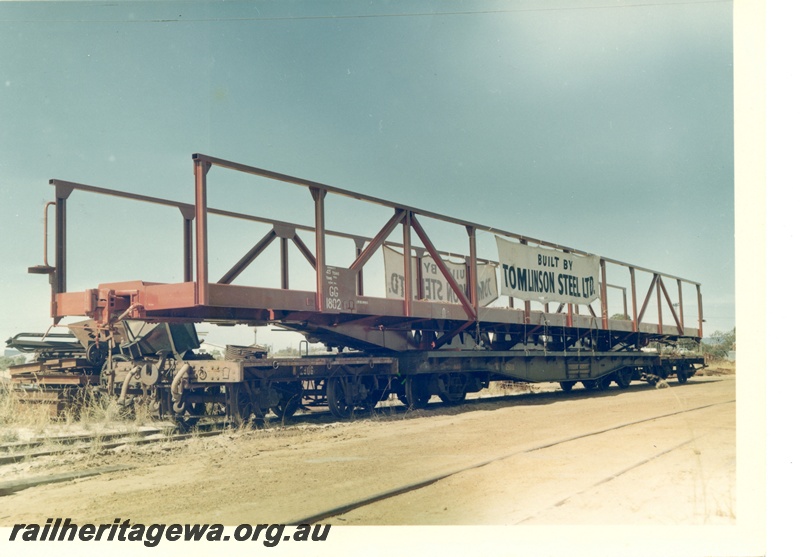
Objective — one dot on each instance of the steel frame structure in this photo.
(337, 312)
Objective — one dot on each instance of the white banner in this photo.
(434, 286)
(547, 275)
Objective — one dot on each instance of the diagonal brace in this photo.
(378, 240)
(647, 297)
(671, 308)
(249, 257)
(468, 309)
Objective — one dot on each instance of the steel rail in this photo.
(105, 445)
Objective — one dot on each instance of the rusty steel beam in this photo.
(305, 251)
(647, 298)
(472, 266)
(603, 294)
(658, 299)
(248, 258)
(285, 263)
(189, 209)
(423, 236)
(319, 224)
(527, 303)
(699, 312)
(634, 313)
(672, 309)
(201, 169)
(360, 274)
(187, 212)
(408, 288)
(378, 240)
(418, 277)
(378, 201)
(444, 339)
(46, 207)
(680, 302)
(60, 278)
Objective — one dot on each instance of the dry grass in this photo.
(90, 412)
(15, 415)
(718, 367)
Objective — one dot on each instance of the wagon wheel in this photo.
(683, 377)
(457, 395)
(290, 398)
(241, 407)
(286, 408)
(623, 377)
(604, 382)
(589, 384)
(376, 396)
(417, 394)
(451, 400)
(96, 354)
(337, 398)
(566, 386)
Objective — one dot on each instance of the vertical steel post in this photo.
(187, 251)
(603, 294)
(319, 225)
(635, 312)
(569, 315)
(188, 262)
(201, 168)
(419, 282)
(46, 229)
(472, 264)
(285, 263)
(680, 301)
(625, 303)
(360, 274)
(61, 240)
(408, 284)
(699, 312)
(659, 286)
(527, 304)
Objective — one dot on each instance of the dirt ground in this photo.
(620, 457)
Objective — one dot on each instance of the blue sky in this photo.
(606, 126)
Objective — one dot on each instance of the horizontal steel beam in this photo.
(430, 214)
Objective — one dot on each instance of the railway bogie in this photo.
(251, 386)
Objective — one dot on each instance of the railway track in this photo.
(428, 481)
(65, 445)
(70, 444)
(57, 445)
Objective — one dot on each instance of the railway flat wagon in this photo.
(438, 323)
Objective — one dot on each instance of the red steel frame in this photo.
(199, 299)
